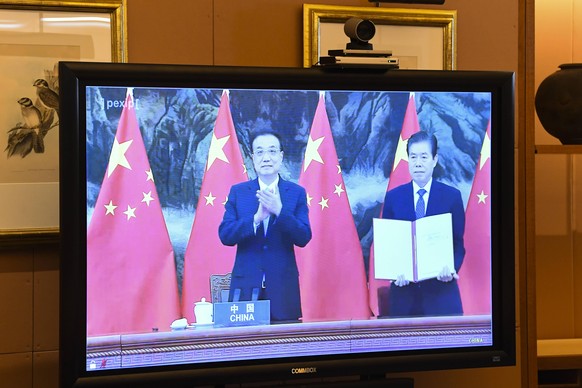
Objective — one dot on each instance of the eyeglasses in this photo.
(272, 152)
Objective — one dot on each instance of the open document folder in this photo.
(418, 249)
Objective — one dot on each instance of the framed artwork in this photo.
(419, 38)
(34, 36)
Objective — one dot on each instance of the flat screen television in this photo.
(158, 164)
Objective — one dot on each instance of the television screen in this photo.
(227, 224)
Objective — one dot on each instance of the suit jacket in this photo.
(272, 257)
(430, 297)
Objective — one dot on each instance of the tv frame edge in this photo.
(74, 76)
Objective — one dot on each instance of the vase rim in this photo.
(570, 66)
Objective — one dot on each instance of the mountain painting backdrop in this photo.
(177, 124)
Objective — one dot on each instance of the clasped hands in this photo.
(269, 203)
(444, 276)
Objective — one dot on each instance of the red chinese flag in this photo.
(205, 254)
(131, 275)
(475, 274)
(399, 176)
(331, 267)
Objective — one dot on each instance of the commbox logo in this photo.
(298, 371)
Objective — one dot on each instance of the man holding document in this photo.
(418, 243)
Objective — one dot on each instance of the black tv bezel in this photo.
(75, 76)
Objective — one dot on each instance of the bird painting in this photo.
(30, 113)
(38, 117)
(47, 96)
(29, 136)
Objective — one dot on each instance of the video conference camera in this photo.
(360, 32)
(359, 52)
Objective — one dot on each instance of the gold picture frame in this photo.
(422, 37)
(34, 36)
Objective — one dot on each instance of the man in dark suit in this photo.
(426, 197)
(265, 218)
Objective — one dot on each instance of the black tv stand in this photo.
(364, 381)
(383, 381)
(352, 382)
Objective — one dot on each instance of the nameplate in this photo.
(229, 314)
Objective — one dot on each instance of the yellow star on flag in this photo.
(338, 190)
(485, 151)
(311, 153)
(117, 157)
(110, 208)
(400, 152)
(147, 198)
(323, 203)
(150, 175)
(209, 199)
(130, 212)
(217, 150)
(482, 196)
(309, 198)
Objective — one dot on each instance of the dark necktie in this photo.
(260, 230)
(420, 206)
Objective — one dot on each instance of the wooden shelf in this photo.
(560, 354)
(558, 149)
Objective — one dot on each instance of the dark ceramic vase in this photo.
(559, 103)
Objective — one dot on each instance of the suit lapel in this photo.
(409, 203)
(283, 188)
(434, 199)
(254, 185)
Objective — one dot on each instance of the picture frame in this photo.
(34, 36)
(419, 38)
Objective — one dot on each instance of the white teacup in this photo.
(203, 312)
